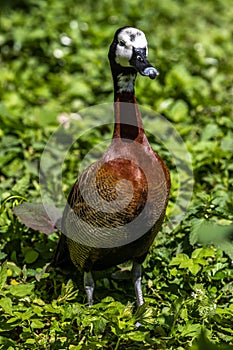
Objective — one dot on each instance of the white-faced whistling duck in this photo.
(117, 205)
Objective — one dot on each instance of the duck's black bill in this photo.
(140, 63)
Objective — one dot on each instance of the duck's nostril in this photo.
(139, 58)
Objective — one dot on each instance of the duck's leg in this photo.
(89, 286)
(136, 272)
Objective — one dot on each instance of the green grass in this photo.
(187, 277)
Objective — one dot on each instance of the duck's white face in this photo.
(129, 39)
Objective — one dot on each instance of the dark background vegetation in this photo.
(53, 63)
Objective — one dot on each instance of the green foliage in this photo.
(204, 344)
(54, 63)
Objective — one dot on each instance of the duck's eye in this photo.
(121, 43)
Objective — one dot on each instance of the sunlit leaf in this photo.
(3, 274)
(21, 290)
(37, 324)
(6, 304)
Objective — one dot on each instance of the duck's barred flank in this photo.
(117, 205)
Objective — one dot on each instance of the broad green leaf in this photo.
(178, 111)
(137, 336)
(22, 184)
(184, 314)
(99, 325)
(2, 255)
(3, 274)
(211, 131)
(31, 256)
(203, 252)
(37, 324)
(179, 258)
(30, 341)
(187, 263)
(6, 304)
(227, 143)
(21, 290)
(190, 330)
(196, 226)
(194, 269)
(53, 309)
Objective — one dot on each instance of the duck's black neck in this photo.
(128, 123)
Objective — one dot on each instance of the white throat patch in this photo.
(128, 39)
